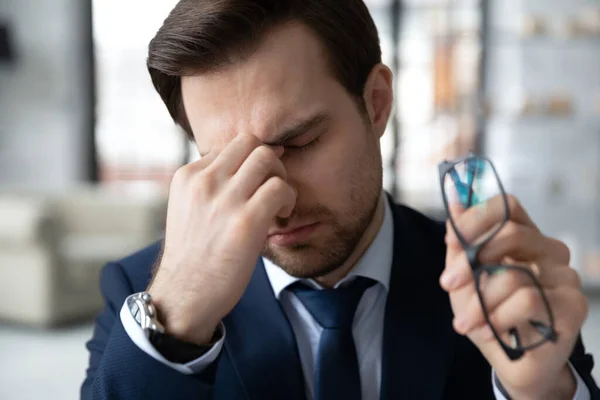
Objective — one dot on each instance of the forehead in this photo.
(287, 79)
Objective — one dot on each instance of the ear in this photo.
(379, 97)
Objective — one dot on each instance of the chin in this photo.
(305, 260)
(328, 249)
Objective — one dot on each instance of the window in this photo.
(136, 138)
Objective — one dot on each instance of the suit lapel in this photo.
(262, 345)
(418, 343)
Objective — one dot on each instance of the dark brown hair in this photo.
(201, 36)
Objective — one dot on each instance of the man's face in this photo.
(335, 166)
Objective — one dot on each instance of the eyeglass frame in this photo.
(472, 252)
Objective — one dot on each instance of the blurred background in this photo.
(87, 148)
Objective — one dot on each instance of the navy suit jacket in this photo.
(423, 358)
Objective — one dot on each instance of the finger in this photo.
(233, 155)
(457, 273)
(454, 212)
(495, 289)
(274, 198)
(191, 169)
(481, 220)
(482, 333)
(568, 306)
(522, 243)
(557, 251)
(260, 165)
(455, 208)
(451, 240)
(464, 234)
(208, 158)
(457, 265)
(492, 291)
(524, 305)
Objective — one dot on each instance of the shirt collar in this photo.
(375, 263)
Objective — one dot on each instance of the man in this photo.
(286, 272)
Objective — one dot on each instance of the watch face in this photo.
(135, 311)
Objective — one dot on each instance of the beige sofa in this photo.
(53, 245)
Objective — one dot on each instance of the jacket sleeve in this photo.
(583, 364)
(119, 370)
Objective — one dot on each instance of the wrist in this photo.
(563, 386)
(190, 324)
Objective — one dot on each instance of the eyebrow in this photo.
(299, 129)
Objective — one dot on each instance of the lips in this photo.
(288, 230)
(293, 235)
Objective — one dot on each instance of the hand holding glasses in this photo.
(473, 182)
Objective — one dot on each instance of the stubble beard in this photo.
(343, 231)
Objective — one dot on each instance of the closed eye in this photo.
(306, 146)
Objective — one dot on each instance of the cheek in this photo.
(327, 173)
(316, 175)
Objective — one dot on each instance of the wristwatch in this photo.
(173, 349)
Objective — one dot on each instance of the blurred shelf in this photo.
(440, 3)
(504, 39)
(428, 39)
(514, 120)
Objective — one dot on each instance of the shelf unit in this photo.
(542, 129)
(441, 57)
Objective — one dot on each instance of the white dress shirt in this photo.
(367, 329)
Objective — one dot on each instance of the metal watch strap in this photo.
(173, 349)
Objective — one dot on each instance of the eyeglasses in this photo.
(473, 182)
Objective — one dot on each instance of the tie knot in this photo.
(333, 308)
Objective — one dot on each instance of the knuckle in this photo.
(585, 306)
(578, 312)
(563, 250)
(205, 184)
(197, 184)
(574, 278)
(530, 299)
(514, 232)
(182, 174)
(514, 205)
(580, 303)
(513, 281)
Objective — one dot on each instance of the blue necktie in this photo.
(336, 368)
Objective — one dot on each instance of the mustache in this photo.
(303, 214)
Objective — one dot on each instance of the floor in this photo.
(42, 364)
(51, 364)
